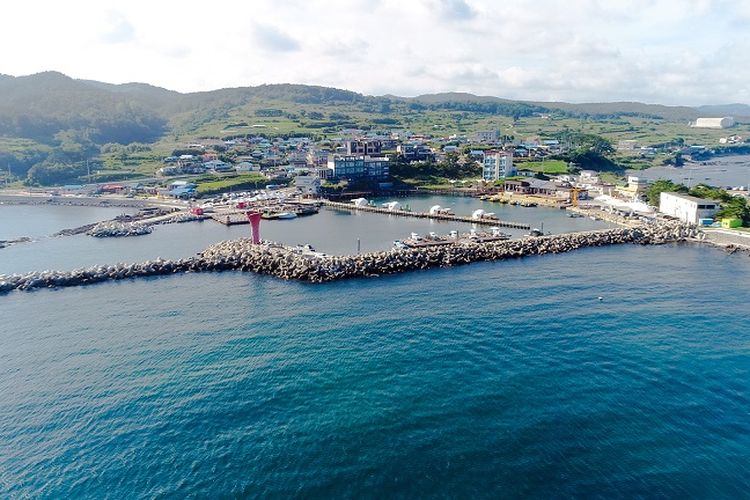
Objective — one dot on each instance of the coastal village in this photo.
(360, 163)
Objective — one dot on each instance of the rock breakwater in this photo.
(296, 264)
(119, 229)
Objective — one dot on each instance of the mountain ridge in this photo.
(344, 95)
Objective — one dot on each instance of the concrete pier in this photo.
(425, 215)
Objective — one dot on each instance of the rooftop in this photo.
(688, 197)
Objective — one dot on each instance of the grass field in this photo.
(550, 167)
(239, 182)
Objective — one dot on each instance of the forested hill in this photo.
(40, 106)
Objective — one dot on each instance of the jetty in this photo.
(489, 221)
(294, 263)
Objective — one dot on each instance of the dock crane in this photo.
(574, 192)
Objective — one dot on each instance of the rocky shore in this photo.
(297, 264)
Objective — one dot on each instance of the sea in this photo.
(607, 372)
(724, 171)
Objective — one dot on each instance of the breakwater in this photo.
(119, 229)
(296, 264)
(424, 215)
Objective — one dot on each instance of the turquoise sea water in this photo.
(493, 380)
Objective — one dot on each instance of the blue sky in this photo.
(665, 51)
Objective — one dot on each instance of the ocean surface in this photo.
(506, 379)
(723, 171)
(330, 231)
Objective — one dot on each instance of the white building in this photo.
(724, 122)
(308, 184)
(487, 136)
(687, 208)
(498, 165)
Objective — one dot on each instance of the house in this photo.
(246, 166)
(627, 145)
(498, 165)
(112, 188)
(181, 189)
(687, 208)
(635, 188)
(491, 136)
(532, 186)
(218, 166)
(415, 152)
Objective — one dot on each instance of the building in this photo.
(317, 157)
(536, 186)
(359, 167)
(498, 165)
(307, 184)
(687, 208)
(627, 145)
(724, 122)
(218, 166)
(635, 188)
(415, 152)
(491, 136)
(363, 148)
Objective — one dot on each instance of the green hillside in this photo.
(51, 124)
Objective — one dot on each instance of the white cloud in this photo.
(119, 29)
(670, 51)
(271, 39)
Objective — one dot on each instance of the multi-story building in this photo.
(317, 157)
(498, 165)
(358, 167)
(364, 148)
(415, 152)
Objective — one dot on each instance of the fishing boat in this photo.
(279, 215)
(303, 211)
(286, 215)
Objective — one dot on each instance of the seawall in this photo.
(294, 264)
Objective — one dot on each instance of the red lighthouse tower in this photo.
(254, 218)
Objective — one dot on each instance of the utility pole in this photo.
(88, 170)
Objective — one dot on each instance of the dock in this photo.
(424, 215)
(231, 219)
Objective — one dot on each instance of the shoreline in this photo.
(82, 201)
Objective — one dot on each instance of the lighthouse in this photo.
(254, 218)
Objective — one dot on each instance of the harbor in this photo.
(304, 264)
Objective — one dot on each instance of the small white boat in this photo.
(286, 215)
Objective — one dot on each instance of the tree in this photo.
(654, 191)
(711, 193)
(735, 208)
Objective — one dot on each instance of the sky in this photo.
(686, 52)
